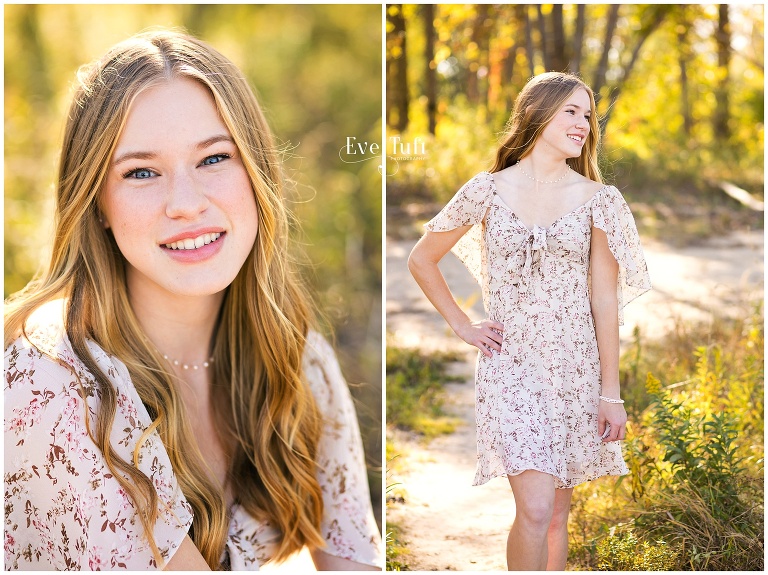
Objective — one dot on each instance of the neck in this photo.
(180, 327)
(545, 167)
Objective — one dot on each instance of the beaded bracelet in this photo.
(611, 400)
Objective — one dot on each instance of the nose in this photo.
(186, 196)
(582, 122)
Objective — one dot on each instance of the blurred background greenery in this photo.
(680, 89)
(317, 72)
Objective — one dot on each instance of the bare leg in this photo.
(534, 493)
(557, 536)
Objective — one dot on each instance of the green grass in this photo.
(415, 390)
(414, 403)
(693, 499)
(396, 548)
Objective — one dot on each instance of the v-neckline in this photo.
(550, 226)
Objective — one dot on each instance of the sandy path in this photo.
(450, 525)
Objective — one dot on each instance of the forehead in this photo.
(580, 98)
(174, 110)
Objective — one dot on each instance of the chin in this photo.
(203, 289)
(196, 285)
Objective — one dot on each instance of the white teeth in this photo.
(194, 243)
(575, 138)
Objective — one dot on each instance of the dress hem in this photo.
(566, 484)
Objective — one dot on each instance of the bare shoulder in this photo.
(585, 188)
(506, 178)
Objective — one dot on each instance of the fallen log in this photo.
(742, 196)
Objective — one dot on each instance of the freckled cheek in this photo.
(237, 201)
(129, 218)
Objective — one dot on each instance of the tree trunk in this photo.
(37, 73)
(397, 79)
(602, 66)
(723, 38)
(683, 57)
(430, 90)
(578, 40)
(559, 58)
(543, 43)
(507, 73)
(485, 21)
(480, 36)
(519, 18)
(529, 40)
(506, 65)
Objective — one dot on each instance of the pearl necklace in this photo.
(567, 171)
(177, 363)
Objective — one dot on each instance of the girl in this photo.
(167, 402)
(558, 256)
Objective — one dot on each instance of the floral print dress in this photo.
(537, 400)
(65, 510)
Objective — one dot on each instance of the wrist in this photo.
(612, 391)
(459, 323)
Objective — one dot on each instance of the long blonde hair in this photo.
(535, 106)
(265, 413)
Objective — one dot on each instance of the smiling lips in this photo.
(576, 138)
(193, 243)
(194, 246)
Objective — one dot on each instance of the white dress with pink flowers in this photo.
(537, 400)
(65, 510)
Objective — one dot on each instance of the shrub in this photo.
(625, 553)
(706, 498)
(693, 499)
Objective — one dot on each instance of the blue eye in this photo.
(140, 174)
(215, 159)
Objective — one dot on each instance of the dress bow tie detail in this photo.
(528, 258)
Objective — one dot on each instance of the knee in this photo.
(537, 514)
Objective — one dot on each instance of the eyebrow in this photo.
(214, 140)
(149, 155)
(575, 106)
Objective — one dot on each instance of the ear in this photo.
(103, 220)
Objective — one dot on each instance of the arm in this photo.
(604, 304)
(187, 558)
(422, 264)
(326, 562)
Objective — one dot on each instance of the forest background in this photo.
(680, 95)
(679, 89)
(317, 74)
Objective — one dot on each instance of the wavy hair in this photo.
(535, 106)
(265, 412)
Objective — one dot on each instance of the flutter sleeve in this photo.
(611, 214)
(64, 510)
(348, 524)
(467, 207)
